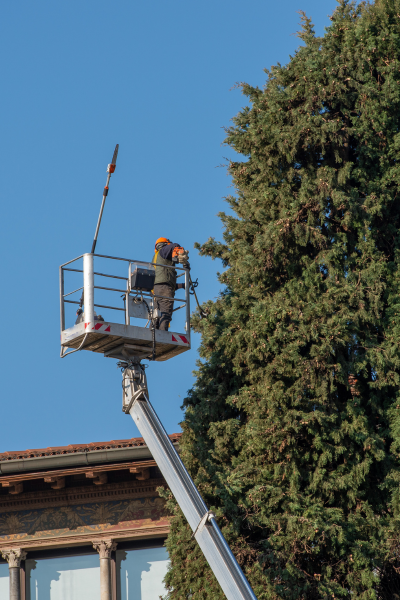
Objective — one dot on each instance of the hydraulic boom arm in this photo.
(206, 531)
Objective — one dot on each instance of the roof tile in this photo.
(74, 448)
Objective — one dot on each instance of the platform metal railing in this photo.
(88, 288)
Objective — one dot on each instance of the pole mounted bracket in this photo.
(207, 517)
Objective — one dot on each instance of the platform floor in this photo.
(105, 337)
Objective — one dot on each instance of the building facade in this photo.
(82, 522)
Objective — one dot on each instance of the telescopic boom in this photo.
(110, 170)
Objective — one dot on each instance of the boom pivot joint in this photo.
(134, 383)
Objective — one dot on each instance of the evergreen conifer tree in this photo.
(292, 430)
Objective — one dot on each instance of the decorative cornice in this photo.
(104, 547)
(90, 472)
(79, 495)
(13, 556)
(88, 539)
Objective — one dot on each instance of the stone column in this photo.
(14, 557)
(104, 548)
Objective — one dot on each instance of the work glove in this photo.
(183, 257)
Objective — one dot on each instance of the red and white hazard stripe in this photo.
(101, 327)
(182, 337)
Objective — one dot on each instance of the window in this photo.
(61, 578)
(140, 573)
(4, 581)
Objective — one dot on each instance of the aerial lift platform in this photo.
(130, 342)
(130, 338)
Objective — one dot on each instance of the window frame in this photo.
(64, 552)
(142, 544)
(47, 553)
(4, 562)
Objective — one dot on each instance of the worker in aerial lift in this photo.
(168, 254)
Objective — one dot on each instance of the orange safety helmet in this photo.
(160, 240)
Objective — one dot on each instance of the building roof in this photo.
(78, 448)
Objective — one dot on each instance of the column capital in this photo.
(14, 556)
(104, 547)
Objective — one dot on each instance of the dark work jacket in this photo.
(164, 257)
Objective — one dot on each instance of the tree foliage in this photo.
(292, 430)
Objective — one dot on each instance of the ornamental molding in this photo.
(13, 556)
(78, 495)
(86, 539)
(105, 547)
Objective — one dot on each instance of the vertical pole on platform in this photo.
(62, 314)
(187, 294)
(88, 288)
(127, 318)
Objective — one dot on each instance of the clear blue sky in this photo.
(77, 78)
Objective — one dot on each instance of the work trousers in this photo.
(165, 306)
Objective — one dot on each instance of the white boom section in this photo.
(206, 531)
